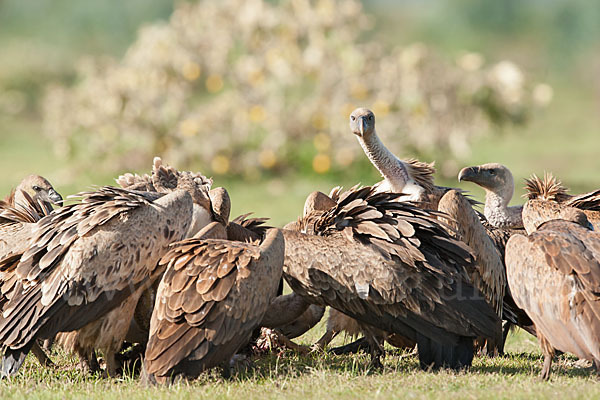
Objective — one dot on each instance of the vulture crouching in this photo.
(213, 295)
(392, 267)
(83, 261)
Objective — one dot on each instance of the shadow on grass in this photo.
(522, 364)
(289, 364)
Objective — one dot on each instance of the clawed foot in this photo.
(272, 339)
(376, 364)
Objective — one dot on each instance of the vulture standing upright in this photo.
(501, 222)
(554, 275)
(411, 178)
(393, 267)
(498, 182)
(83, 261)
(415, 179)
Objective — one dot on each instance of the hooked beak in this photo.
(362, 125)
(54, 197)
(468, 174)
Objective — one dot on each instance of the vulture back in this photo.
(84, 260)
(554, 275)
(212, 296)
(391, 265)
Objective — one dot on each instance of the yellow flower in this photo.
(256, 78)
(214, 83)
(347, 110)
(189, 127)
(322, 142)
(319, 121)
(220, 165)
(321, 163)
(191, 71)
(381, 108)
(267, 158)
(257, 113)
(359, 91)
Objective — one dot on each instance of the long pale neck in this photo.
(494, 201)
(499, 214)
(390, 167)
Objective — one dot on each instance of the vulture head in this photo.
(492, 177)
(38, 188)
(317, 201)
(362, 122)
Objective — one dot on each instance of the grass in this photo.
(292, 376)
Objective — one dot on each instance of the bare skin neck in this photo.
(390, 167)
(499, 214)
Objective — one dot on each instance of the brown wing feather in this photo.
(196, 325)
(136, 182)
(554, 274)
(95, 267)
(488, 275)
(385, 293)
(587, 201)
(404, 276)
(256, 225)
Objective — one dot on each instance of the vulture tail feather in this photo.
(13, 359)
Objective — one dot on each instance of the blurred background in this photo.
(257, 93)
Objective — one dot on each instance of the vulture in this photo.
(83, 261)
(165, 179)
(394, 268)
(489, 273)
(40, 191)
(551, 189)
(500, 222)
(498, 182)
(210, 300)
(411, 178)
(337, 322)
(21, 209)
(414, 180)
(18, 214)
(554, 275)
(131, 319)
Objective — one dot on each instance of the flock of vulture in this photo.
(157, 261)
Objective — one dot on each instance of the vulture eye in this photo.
(37, 188)
(492, 172)
(370, 118)
(352, 117)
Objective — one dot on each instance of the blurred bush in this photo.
(243, 86)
